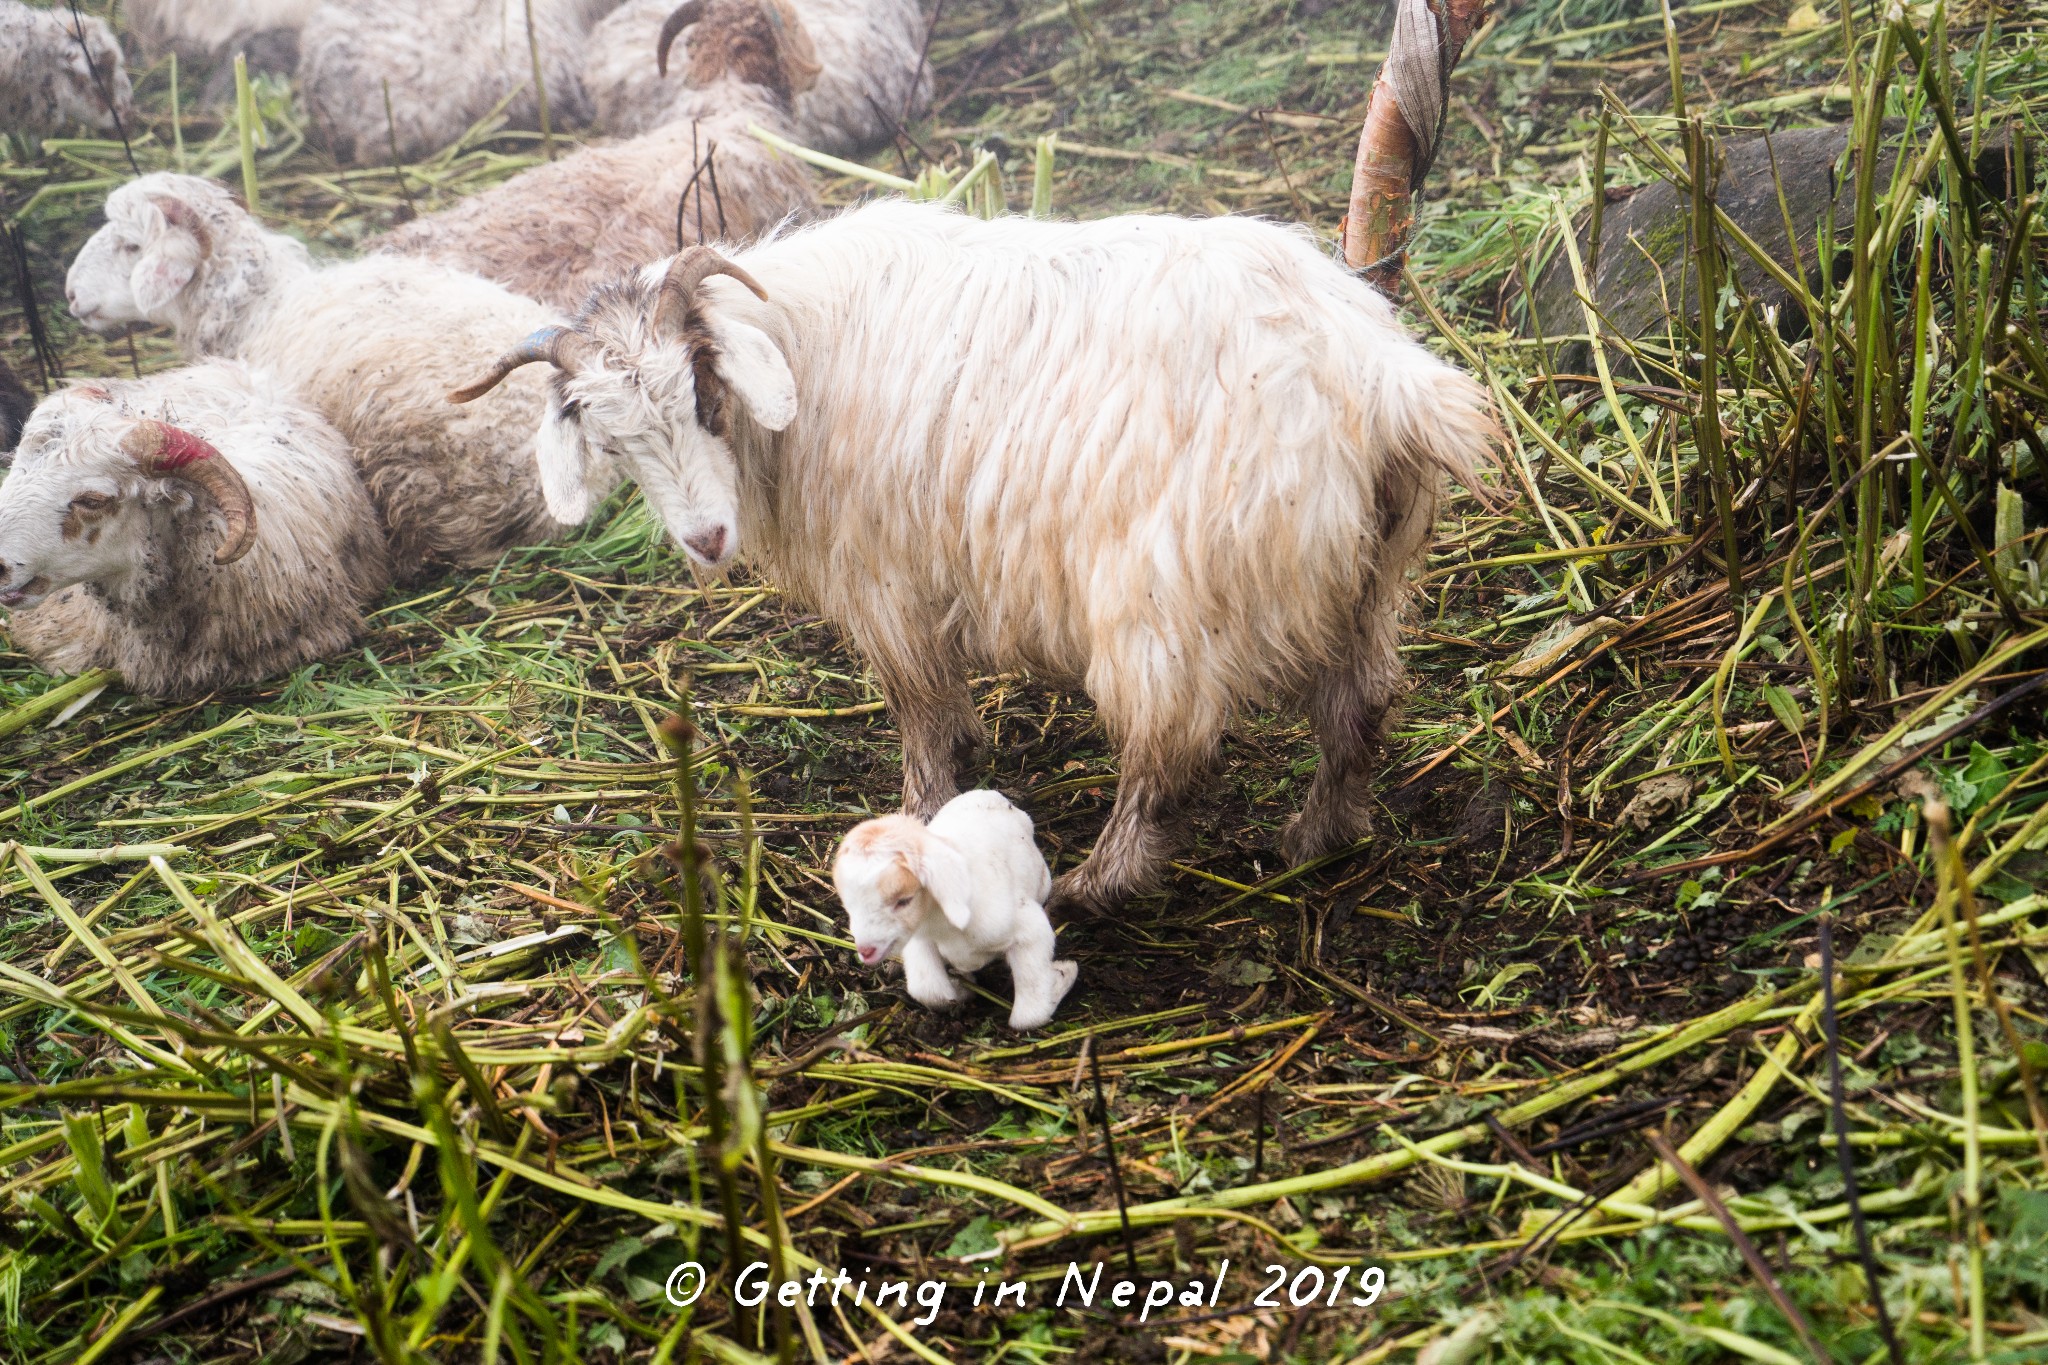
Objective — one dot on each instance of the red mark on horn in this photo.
(179, 449)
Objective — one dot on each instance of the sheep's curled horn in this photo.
(799, 56)
(680, 18)
(167, 452)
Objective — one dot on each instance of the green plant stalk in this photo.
(177, 120)
(1923, 380)
(1041, 177)
(836, 165)
(1954, 884)
(56, 699)
(540, 85)
(1699, 157)
(245, 123)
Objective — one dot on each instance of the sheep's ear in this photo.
(170, 257)
(754, 368)
(563, 457)
(943, 871)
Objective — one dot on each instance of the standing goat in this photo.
(55, 74)
(867, 57)
(558, 230)
(1188, 463)
(191, 530)
(445, 63)
(371, 344)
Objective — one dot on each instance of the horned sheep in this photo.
(192, 530)
(871, 73)
(443, 65)
(561, 228)
(1187, 464)
(56, 73)
(371, 344)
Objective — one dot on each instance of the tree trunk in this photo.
(1397, 145)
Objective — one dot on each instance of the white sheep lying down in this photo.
(1187, 464)
(47, 65)
(565, 226)
(869, 55)
(446, 63)
(953, 896)
(371, 344)
(192, 530)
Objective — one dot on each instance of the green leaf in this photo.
(1785, 707)
(977, 1238)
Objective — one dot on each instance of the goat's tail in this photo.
(1441, 420)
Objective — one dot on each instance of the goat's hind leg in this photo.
(1348, 708)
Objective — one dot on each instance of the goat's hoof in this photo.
(1306, 839)
(1085, 891)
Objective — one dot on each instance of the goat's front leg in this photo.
(935, 715)
(927, 978)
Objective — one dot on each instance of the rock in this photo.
(1646, 238)
(1658, 799)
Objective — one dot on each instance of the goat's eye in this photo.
(903, 903)
(130, 248)
(91, 502)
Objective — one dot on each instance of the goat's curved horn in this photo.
(558, 346)
(180, 214)
(680, 18)
(793, 46)
(169, 452)
(679, 286)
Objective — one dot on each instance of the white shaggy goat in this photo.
(953, 896)
(371, 344)
(1187, 463)
(191, 530)
(560, 229)
(869, 58)
(447, 64)
(47, 72)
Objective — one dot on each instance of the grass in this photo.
(439, 1001)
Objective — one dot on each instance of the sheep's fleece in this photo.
(201, 30)
(871, 53)
(373, 345)
(108, 566)
(447, 64)
(563, 227)
(46, 79)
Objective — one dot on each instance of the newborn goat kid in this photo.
(958, 893)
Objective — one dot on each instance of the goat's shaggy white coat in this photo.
(953, 896)
(447, 63)
(561, 228)
(46, 79)
(1186, 463)
(373, 344)
(104, 565)
(871, 53)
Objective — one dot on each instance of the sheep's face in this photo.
(878, 884)
(74, 507)
(76, 94)
(649, 380)
(134, 268)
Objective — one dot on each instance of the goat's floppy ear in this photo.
(564, 459)
(943, 871)
(176, 244)
(753, 367)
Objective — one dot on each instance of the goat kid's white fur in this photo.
(1187, 463)
(953, 896)
(374, 345)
